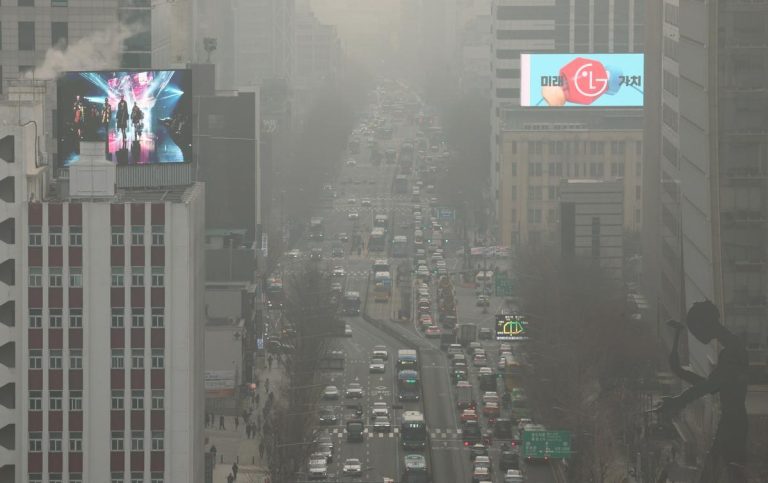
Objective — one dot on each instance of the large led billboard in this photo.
(581, 80)
(142, 117)
(511, 327)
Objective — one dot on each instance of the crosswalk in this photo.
(437, 434)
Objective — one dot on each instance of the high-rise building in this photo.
(711, 204)
(317, 51)
(550, 26)
(114, 284)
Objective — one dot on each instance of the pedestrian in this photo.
(269, 361)
(266, 385)
(237, 423)
(234, 469)
(221, 423)
(257, 399)
(248, 431)
(271, 397)
(261, 449)
(230, 478)
(258, 421)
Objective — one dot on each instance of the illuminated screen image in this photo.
(142, 117)
(581, 80)
(511, 327)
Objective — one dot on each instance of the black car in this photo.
(328, 416)
(485, 334)
(337, 252)
(316, 254)
(509, 460)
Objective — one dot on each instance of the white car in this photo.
(380, 352)
(354, 390)
(514, 476)
(331, 392)
(352, 467)
(352, 201)
(351, 162)
(365, 202)
(377, 366)
(353, 215)
(318, 469)
(347, 330)
(295, 253)
(379, 409)
(338, 272)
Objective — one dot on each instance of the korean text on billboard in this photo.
(511, 327)
(142, 117)
(581, 80)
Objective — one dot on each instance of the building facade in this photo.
(536, 158)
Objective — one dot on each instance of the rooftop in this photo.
(58, 192)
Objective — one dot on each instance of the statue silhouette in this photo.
(729, 379)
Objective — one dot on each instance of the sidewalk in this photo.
(233, 445)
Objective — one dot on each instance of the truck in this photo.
(355, 430)
(446, 302)
(467, 334)
(316, 231)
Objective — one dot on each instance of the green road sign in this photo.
(503, 286)
(550, 444)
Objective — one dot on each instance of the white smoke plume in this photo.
(98, 51)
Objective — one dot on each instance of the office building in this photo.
(317, 55)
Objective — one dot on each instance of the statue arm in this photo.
(674, 358)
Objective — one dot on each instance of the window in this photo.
(76, 236)
(137, 317)
(35, 359)
(117, 276)
(35, 400)
(117, 477)
(55, 477)
(54, 400)
(137, 399)
(513, 169)
(35, 318)
(551, 216)
(35, 277)
(137, 444)
(75, 477)
(54, 276)
(27, 35)
(558, 169)
(158, 235)
(158, 359)
(59, 34)
(137, 276)
(54, 441)
(35, 443)
(638, 168)
(117, 400)
(54, 236)
(137, 358)
(75, 359)
(35, 477)
(158, 399)
(117, 445)
(75, 400)
(54, 318)
(158, 276)
(534, 215)
(138, 477)
(26, 3)
(118, 316)
(158, 318)
(35, 236)
(118, 359)
(54, 359)
(638, 192)
(118, 236)
(75, 277)
(137, 235)
(551, 169)
(60, 3)
(638, 147)
(157, 478)
(552, 192)
(513, 192)
(158, 441)
(75, 318)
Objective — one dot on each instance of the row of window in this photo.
(56, 317)
(578, 147)
(56, 358)
(55, 443)
(566, 169)
(78, 477)
(117, 398)
(55, 235)
(56, 276)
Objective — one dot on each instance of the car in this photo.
(423, 272)
(318, 468)
(351, 162)
(482, 460)
(501, 364)
(491, 410)
(377, 366)
(468, 415)
(354, 391)
(381, 424)
(295, 253)
(326, 451)
(432, 331)
(330, 392)
(316, 254)
(481, 474)
(352, 201)
(353, 215)
(509, 460)
(352, 467)
(479, 360)
(425, 321)
(347, 330)
(505, 347)
(343, 237)
(336, 287)
(490, 396)
(513, 476)
(378, 409)
(482, 301)
(485, 334)
(337, 252)
(365, 202)
(424, 293)
(454, 349)
(338, 272)
(380, 351)
(328, 415)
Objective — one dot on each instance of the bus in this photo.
(382, 288)
(413, 430)
(381, 221)
(377, 240)
(418, 238)
(400, 246)
(400, 185)
(407, 359)
(274, 292)
(351, 303)
(316, 230)
(416, 470)
(332, 361)
(408, 385)
(380, 265)
(405, 157)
